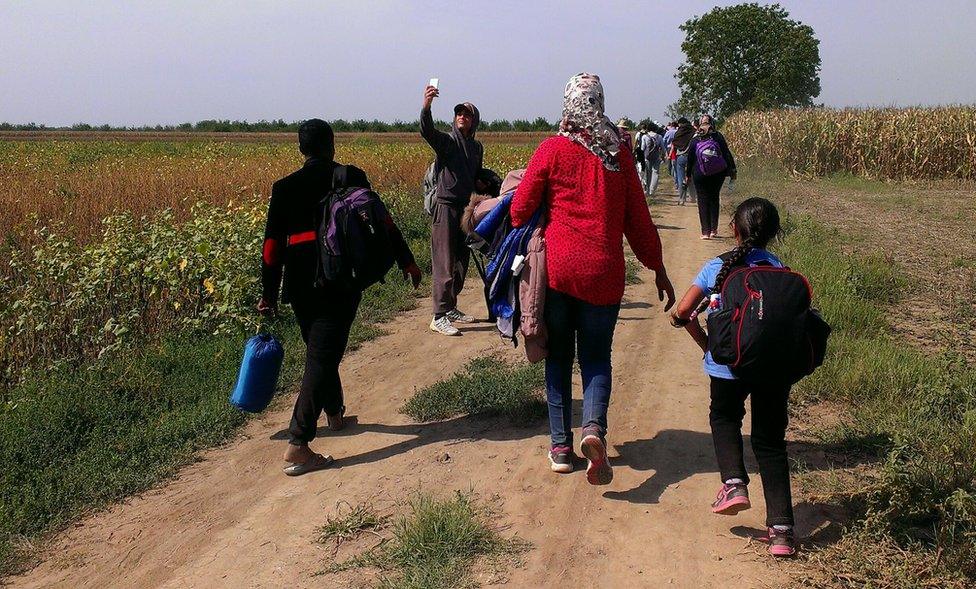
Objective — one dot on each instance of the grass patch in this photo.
(959, 262)
(485, 386)
(436, 544)
(350, 524)
(848, 181)
(916, 411)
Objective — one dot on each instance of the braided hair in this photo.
(757, 223)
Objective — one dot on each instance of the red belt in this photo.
(301, 237)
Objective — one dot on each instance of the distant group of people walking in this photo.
(583, 191)
(698, 159)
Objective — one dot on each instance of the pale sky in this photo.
(135, 63)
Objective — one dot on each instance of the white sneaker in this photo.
(458, 316)
(443, 326)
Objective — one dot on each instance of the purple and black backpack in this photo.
(353, 241)
(708, 156)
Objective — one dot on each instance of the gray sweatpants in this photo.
(449, 257)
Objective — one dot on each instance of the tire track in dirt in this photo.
(234, 520)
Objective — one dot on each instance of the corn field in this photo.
(887, 143)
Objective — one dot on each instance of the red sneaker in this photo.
(731, 499)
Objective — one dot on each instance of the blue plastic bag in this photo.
(258, 378)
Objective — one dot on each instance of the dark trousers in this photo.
(769, 421)
(325, 317)
(449, 258)
(708, 189)
(571, 324)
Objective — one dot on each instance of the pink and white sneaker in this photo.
(598, 470)
(782, 543)
(731, 499)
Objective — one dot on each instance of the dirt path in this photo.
(234, 520)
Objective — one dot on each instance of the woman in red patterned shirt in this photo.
(587, 179)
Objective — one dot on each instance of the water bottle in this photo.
(714, 302)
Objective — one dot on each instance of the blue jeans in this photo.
(679, 177)
(651, 177)
(573, 323)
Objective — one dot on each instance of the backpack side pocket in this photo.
(721, 336)
(818, 330)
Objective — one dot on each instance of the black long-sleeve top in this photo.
(692, 170)
(290, 247)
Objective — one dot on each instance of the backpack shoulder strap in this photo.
(727, 256)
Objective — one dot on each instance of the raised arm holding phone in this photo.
(458, 160)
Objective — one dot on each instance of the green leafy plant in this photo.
(747, 56)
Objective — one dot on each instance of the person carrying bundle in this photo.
(586, 180)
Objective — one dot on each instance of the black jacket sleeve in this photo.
(691, 159)
(401, 251)
(272, 256)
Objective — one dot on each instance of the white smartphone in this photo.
(433, 82)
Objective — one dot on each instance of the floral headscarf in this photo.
(585, 123)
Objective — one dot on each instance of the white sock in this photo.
(782, 527)
(735, 482)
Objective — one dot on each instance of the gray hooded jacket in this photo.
(459, 158)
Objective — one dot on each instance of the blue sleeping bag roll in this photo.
(258, 378)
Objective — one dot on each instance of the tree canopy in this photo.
(747, 56)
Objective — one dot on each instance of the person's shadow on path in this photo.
(675, 455)
(455, 430)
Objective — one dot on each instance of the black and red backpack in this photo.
(766, 329)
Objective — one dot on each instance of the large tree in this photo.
(748, 56)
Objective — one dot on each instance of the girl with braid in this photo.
(754, 224)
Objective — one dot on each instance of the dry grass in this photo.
(493, 137)
(896, 143)
(81, 182)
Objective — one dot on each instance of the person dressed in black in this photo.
(708, 187)
(325, 310)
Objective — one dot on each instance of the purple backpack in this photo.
(354, 244)
(708, 156)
